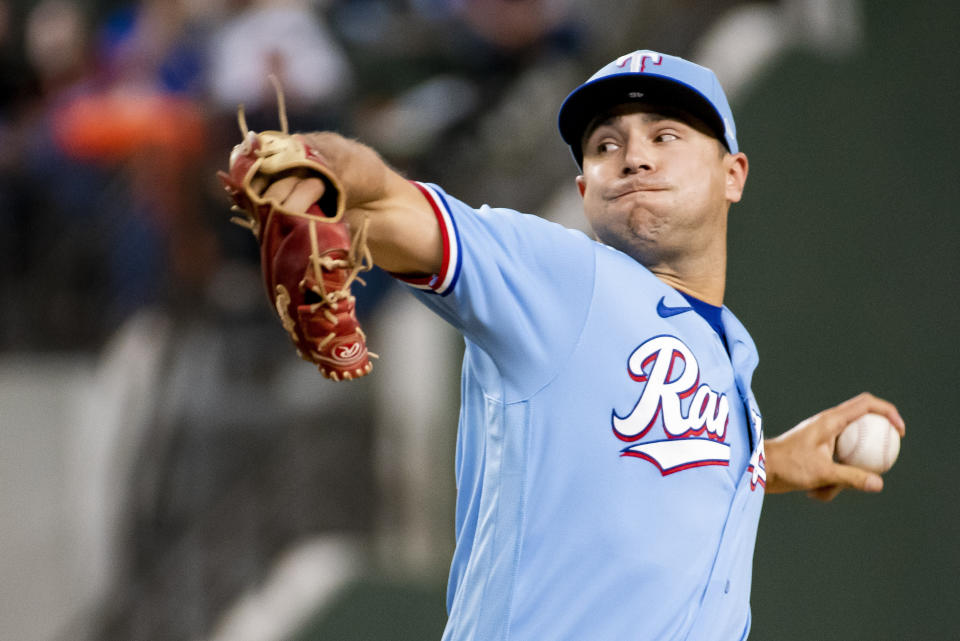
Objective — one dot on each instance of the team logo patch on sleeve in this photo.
(693, 437)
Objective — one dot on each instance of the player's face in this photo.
(656, 185)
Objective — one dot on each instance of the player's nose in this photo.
(637, 157)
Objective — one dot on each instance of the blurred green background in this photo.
(845, 264)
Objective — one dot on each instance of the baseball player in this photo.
(610, 462)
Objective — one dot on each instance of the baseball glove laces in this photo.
(309, 259)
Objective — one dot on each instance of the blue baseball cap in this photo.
(648, 76)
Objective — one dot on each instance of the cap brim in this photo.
(594, 98)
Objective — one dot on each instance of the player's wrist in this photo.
(772, 456)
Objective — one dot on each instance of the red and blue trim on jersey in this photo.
(443, 282)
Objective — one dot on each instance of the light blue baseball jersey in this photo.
(609, 459)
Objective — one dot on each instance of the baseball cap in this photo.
(648, 76)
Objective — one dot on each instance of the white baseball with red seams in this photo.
(871, 442)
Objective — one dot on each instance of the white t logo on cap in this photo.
(638, 60)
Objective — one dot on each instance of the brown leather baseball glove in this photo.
(309, 259)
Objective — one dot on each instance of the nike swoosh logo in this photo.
(665, 311)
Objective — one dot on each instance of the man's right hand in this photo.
(403, 233)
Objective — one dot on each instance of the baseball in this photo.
(871, 442)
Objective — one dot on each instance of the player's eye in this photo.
(607, 146)
(666, 136)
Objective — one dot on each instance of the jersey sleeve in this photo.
(516, 285)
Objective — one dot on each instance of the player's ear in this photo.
(736, 167)
(581, 185)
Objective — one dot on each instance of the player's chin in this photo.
(643, 247)
(646, 226)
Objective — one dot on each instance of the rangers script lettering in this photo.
(658, 362)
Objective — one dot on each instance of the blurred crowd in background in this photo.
(116, 115)
(116, 247)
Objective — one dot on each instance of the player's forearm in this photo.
(402, 230)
